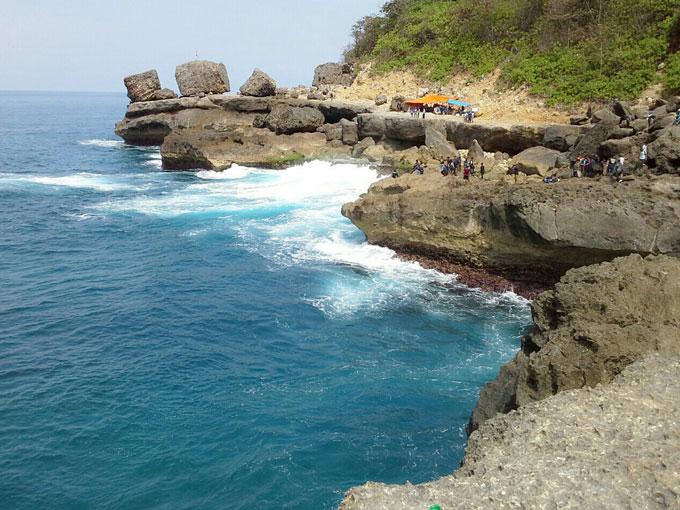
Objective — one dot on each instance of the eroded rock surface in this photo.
(142, 86)
(596, 321)
(260, 84)
(605, 448)
(202, 77)
(533, 232)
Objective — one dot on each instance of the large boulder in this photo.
(259, 84)
(622, 109)
(333, 73)
(350, 132)
(536, 161)
(664, 152)
(285, 119)
(371, 125)
(494, 137)
(560, 137)
(142, 86)
(163, 94)
(475, 152)
(435, 140)
(397, 104)
(202, 77)
(596, 321)
(405, 128)
(606, 116)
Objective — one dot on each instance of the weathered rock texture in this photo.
(202, 77)
(596, 321)
(333, 73)
(259, 84)
(605, 448)
(533, 232)
(142, 86)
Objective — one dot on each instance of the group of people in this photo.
(468, 115)
(451, 167)
(612, 167)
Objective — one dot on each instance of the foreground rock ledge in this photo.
(610, 447)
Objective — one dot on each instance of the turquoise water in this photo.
(206, 340)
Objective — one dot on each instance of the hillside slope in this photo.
(564, 50)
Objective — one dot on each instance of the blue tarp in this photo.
(458, 103)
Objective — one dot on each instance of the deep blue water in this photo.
(181, 340)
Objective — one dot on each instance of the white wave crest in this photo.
(235, 172)
(102, 143)
(84, 180)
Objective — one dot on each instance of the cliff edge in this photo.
(591, 400)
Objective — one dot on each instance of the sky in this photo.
(91, 45)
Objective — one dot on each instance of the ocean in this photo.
(215, 340)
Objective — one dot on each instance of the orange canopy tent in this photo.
(431, 99)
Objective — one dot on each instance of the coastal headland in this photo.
(585, 413)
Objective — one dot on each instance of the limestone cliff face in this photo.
(534, 232)
(596, 321)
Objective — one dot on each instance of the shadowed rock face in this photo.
(532, 232)
(596, 321)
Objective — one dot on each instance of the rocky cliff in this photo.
(614, 327)
(533, 232)
(611, 447)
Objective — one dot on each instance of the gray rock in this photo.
(397, 104)
(317, 96)
(475, 152)
(660, 111)
(639, 125)
(598, 320)
(286, 120)
(380, 99)
(639, 112)
(405, 128)
(578, 120)
(621, 132)
(493, 137)
(371, 125)
(435, 140)
(664, 152)
(241, 104)
(622, 109)
(673, 104)
(560, 137)
(202, 77)
(536, 161)
(605, 448)
(350, 132)
(259, 84)
(333, 131)
(662, 122)
(333, 73)
(361, 147)
(605, 116)
(162, 94)
(142, 86)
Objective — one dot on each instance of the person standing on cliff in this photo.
(482, 171)
(466, 173)
(643, 157)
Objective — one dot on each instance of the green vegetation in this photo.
(565, 50)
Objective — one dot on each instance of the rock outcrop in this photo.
(259, 84)
(610, 447)
(142, 86)
(596, 321)
(199, 77)
(536, 161)
(333, 73)
(286, 120)
(534, 232)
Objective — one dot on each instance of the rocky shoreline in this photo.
(610, 311)
(586, 415)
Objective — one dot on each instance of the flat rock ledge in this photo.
(610, 447)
